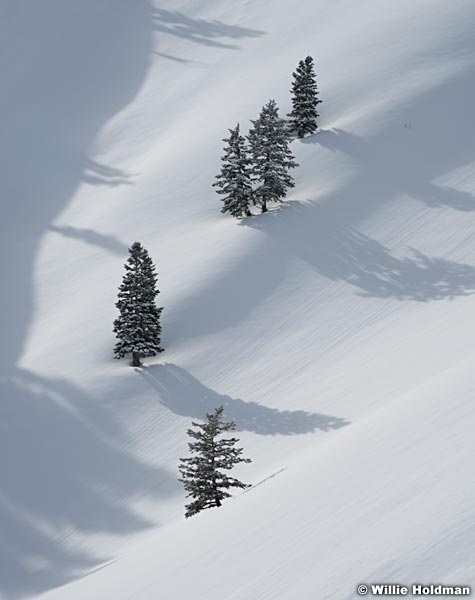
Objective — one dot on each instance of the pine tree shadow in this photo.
(65, 73)
(400, 160)
(101, 240)
(184, 395)
(182, 61)
(389, 170)
(64, 469)
(395, 162)
(394, 170)
(344, 254)
(200, 31)
(98, 174)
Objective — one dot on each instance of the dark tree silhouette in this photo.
(303, 117)
(203, 475)
(269, 142)
(234, 179)
(138, 326)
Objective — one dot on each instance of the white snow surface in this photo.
(336, 329)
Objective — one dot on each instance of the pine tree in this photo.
(234, 180)
(202, 475)
(269, 143)
(304, 99)
(138, 325)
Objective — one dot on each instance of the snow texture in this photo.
(335, 329)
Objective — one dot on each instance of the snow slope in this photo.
(335, 330)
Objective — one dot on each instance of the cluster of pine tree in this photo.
(255, 171)
(138, 332)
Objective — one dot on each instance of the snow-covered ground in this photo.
(336, 329)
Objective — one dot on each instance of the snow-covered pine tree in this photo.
(138, 325)
(202, 474)
(269, 144)
(234, 180)
(303, 117)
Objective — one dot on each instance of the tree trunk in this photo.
(214, 485)
(264, 207)
(216, 495)
(136, 359)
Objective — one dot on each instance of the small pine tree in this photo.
(269, 143)
(304, 99)
(234, 180)
(202, 475)
(138, 325)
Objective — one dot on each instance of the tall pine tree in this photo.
(303, 117)
(202, 474)
(269, 143)
(138, 326)
(234, 180)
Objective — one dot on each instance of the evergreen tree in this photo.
(202, 475)
(269, 143)
(304, 99)
(234, 180)
(138, 325)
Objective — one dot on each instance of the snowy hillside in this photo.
(336, 329)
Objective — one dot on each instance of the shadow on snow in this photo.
(184, 395)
